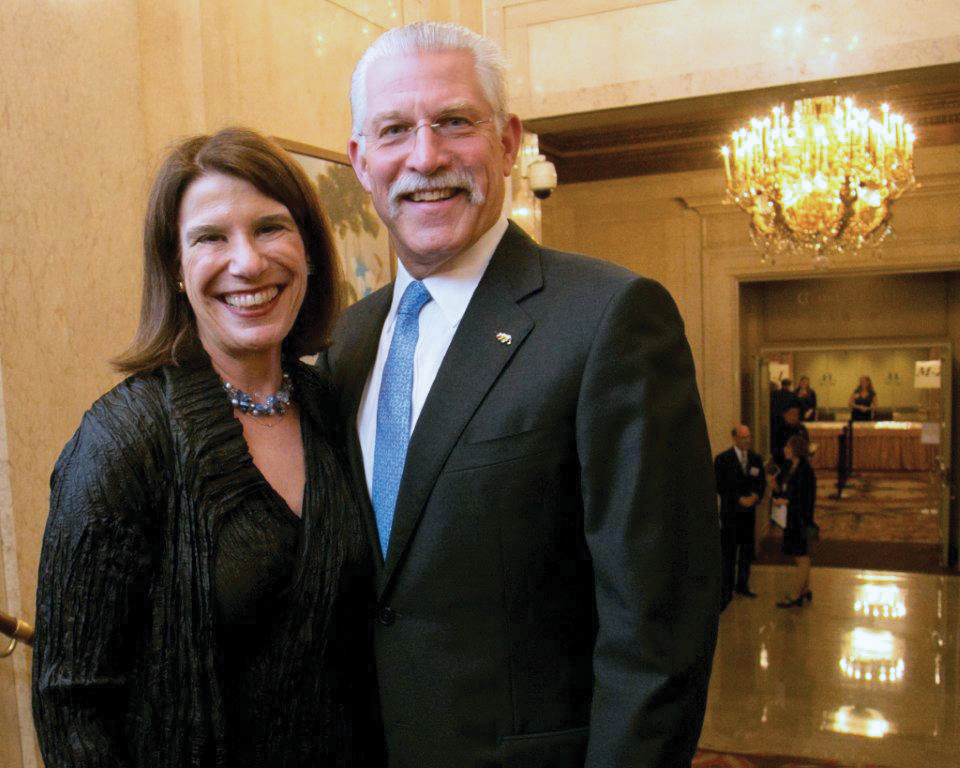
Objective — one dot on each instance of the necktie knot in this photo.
(413, 299)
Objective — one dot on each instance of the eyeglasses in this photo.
(399, 135)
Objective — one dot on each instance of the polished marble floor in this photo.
(867, 673)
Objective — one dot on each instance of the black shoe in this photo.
(787, 603)
(745, 591)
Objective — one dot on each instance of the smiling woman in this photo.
(203, 580)
(244, 270)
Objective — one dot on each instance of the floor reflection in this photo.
(867, 672)
(858, 721)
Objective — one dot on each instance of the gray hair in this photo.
(429, 36)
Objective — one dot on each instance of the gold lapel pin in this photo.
(504, 338)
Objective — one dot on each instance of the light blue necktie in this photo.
(393, 409)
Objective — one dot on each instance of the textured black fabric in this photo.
(127, 665)
(801, 494)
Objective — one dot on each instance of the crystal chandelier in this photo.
(821, 179)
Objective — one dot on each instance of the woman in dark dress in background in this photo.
(807, 398)
(797, 482)
(204, 580)
(863, 401)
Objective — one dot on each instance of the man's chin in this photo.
(425, 255)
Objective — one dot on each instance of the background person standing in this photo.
(740, 483)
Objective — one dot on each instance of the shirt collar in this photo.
(453, 288)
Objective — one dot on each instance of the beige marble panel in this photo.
(568, 58)
(12, 701)
(171, 54)
(71, 181)
(282, 68)
(383, 13)
(469, 13)
(73, 187)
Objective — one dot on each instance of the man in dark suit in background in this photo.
(740, 484)
(530, 449)
(789, 426)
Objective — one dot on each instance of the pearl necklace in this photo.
(273, 404)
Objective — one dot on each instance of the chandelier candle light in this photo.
(821, 180)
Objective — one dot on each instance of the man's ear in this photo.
(358, 160)
(510, 138)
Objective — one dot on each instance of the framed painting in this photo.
(361, 238)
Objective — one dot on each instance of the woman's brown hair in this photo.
(167, 334)
(799, 446)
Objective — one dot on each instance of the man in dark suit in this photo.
(789, 426)
(530, 449)
(740, 483)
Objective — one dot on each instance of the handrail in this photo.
(17, 630)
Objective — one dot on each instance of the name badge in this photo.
(754, 471)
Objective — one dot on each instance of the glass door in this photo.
(902, 456)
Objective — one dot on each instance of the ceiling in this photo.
(687, 134)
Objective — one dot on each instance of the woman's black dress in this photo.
(800, 489)
(808, 402)
(186, 618)
(856, 414)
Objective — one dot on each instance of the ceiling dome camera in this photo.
(542, 175)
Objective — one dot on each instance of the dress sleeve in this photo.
(92, 582)
(651, 525)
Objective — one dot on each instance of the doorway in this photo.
(883, 490)
(834, 329)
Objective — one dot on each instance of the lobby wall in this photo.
(882, 312)
(91, 94)
(578, 55)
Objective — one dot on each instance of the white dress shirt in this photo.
(742, 455)
(450, 293)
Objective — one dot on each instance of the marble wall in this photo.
(595, 54)
(91, 93)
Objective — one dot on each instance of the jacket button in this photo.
(387, 616)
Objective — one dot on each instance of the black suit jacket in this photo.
(550, 592)
(733, 483)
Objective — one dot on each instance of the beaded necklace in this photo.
(272, 404)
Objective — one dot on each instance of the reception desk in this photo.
(880, 445)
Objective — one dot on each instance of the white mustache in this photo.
(409, 182)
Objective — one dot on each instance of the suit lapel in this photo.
(471, 366)
(352, 369)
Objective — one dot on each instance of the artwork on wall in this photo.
(779, 372)
(361, 238)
